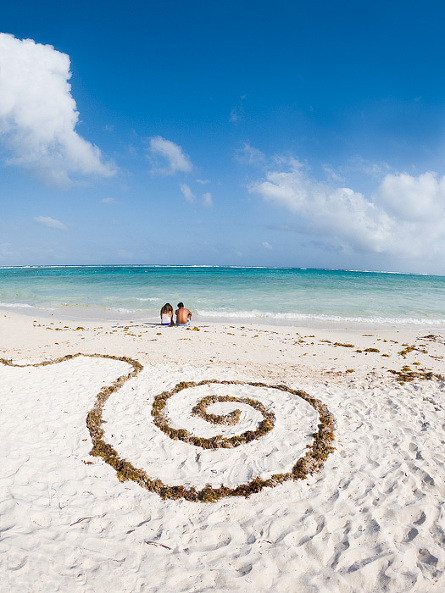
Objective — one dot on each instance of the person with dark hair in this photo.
(183, 316)
(167, 315)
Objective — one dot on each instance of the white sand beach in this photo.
(371, 520)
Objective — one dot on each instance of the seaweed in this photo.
(160, 420)
(406, 375)
(410, 348)
(310, 463)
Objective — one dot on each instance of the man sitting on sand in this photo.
(183, 316)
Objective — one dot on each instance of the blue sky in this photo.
(241, 133)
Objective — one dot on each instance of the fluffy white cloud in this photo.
(52, 223)
(38, 115)
(167, 157)
(418, 199)
(405, 217)
(187, 192)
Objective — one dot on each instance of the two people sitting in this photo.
(183, 316)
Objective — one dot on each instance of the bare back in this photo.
(183, 315)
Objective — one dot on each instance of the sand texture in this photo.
(371, 520)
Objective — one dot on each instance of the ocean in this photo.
(290, 296)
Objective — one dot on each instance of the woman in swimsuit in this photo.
(167, 314)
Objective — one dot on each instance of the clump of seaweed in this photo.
(434, 338)
(344, 345)
(407, 348)
(228, 419)
(371, 350)
(406, 375)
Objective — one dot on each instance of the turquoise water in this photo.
(226, 293)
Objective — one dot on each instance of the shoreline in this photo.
(320, 322)
(368, 348)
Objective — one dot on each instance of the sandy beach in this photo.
(369, 519)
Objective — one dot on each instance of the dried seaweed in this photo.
(310, 463)
(406, 375)
(161, 421)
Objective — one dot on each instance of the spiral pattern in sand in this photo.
(160, 418)
(312, 461)
(198, 418)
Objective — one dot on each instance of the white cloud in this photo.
(109, 201)
(405, 217)
(202, 181)
(187, 192)
(38, 114)
(52, 223)
(417, 199)
(191, 197)
(207, 199)
(266, 245)
(168, 157)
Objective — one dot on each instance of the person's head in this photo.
(180, 305)
(167, 308)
